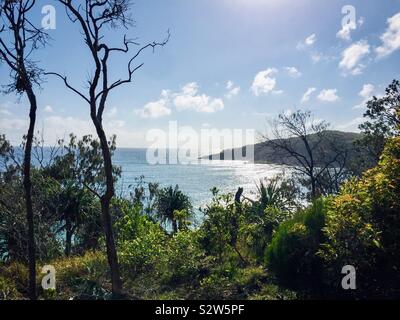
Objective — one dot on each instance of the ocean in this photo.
(196, 180)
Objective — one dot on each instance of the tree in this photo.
(79, 170)
(383, 121)
(316, 154)
(93, 18)
(173, 207)
(19, 38)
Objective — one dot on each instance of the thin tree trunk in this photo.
(28, 195)
(174, 225)
(68, 235)
(106, 214)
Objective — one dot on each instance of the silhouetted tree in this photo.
(19, 38)
(311, 149)
(94, 18)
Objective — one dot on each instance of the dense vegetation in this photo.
(275, 246)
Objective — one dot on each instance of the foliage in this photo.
(264, 247)
(173, 208)
(220, 231)
(363, 227)
(141, 242)
(82, 277)
(382, 122)
(291, 255)
(316, 154)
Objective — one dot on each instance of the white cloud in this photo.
(232, 90)
(367, 92)
(345, 32)
(155, 109)
(189, 99)
(391, 38)
(352, 57)
(293, 72)
(307, 94)
(186, 99)
(310, 40)
(48, 109)
(328, 95)
(265, 83)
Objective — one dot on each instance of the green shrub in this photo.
(8, 289)
(81, 277)
(363, 229)
(291, 255)
(184, 258)
(145, 252)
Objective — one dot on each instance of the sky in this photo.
(232, 64)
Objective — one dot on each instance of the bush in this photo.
(8, 290)
(184, 258)
(291, 255)
(237, 283)
(363, 229)
(12, 281)
(82, 277)
(141, 242)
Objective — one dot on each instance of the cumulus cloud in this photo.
(307, 95)
(155, 109)
(367, 92)
(232, 90)
(190, 99)
(352, 57)
(265, 83)
(390, 38)
(293, 72)
(328, 95)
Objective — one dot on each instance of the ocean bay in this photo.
(196, 179)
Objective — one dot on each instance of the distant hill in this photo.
(264, 152)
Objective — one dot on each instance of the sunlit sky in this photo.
(229, 64)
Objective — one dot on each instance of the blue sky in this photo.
(229, 64)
